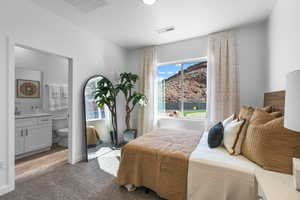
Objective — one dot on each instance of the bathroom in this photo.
(41, 110)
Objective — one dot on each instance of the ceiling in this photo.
(131, 24)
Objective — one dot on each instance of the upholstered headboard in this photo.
(275, 99)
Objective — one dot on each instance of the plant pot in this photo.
(129, 135)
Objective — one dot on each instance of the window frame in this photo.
(181, 62)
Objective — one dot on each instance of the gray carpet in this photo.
(83, 181)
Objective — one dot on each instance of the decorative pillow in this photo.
(269, 144)
(244, 114)
(261, 117)
(215, 135)
(276, 114)
(231, 132)
(268, 109)
(228, 120)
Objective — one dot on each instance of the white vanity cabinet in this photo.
(19, 141)
(32, 134)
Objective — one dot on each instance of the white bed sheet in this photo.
(216, 175)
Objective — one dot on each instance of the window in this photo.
(93, 112)
(182, 90)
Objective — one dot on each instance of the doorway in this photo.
(42, 110)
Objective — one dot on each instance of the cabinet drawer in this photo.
(26, 122)
(44, 120)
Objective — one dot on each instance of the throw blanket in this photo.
(215, 174)
(159, 161)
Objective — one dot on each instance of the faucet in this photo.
(35, 108)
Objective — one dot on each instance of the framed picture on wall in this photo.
(28, 88)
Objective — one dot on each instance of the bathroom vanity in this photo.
(33, 134)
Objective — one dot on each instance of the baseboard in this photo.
(78, 158)
(6, 189)
(32, 153)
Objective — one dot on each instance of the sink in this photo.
(21, 116)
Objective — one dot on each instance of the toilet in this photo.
(63, 137)
(60, 131)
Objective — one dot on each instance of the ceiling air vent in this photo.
(166, 29)
(86, 6)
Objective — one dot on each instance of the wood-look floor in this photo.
(33, 164)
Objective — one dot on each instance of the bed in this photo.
(213, 174)
(159, 161)
(178, 165)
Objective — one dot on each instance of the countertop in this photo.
(24, 116)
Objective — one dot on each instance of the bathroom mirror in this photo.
(99, 139)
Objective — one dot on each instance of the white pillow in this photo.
(231, 132)
(228, 120)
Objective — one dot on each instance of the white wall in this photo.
(53, 68)
(187, 49)
(284, 43)
(32, 26)
(251, 50)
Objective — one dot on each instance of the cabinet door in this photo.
(38, 138)
(19, 141)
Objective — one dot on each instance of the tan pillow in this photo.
(268, 109)
(270, 145)
(244, 114)
(276, 114)
(261, 117)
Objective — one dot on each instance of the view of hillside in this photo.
(183, 89)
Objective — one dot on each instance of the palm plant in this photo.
(106, 94)
(126, 86)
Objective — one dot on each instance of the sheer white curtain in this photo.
(222, 77)
(147, 115)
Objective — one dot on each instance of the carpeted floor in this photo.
(99, 150)
(84, 181)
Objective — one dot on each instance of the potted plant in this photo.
(126, 86)
(106, 94)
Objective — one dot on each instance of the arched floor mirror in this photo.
(97, 123)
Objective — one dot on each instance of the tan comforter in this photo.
(159, 161)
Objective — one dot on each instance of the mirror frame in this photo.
(84, 113)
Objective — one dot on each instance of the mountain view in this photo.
(183, 88)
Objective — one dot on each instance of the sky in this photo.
(166, 71)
